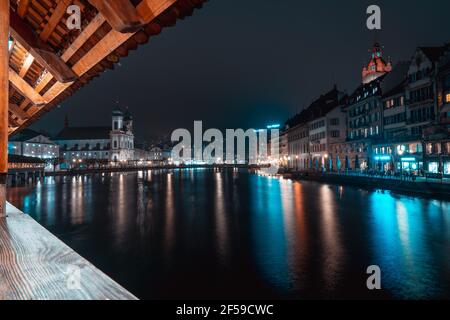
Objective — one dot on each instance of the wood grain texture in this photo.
(34, 265)
(4, 84)
(24, 88)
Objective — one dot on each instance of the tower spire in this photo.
(377, 66)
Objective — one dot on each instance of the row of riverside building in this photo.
(397, 120)
(79, 147)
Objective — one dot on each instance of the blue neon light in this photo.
(382, 158)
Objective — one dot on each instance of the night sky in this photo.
(248, 63)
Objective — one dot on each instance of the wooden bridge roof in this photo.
(48, 62)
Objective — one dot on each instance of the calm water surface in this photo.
(231, 234)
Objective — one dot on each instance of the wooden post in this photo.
(4, 101)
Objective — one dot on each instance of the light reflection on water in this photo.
(231, 234)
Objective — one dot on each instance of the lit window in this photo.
(447, 98)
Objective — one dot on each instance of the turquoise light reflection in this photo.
(268, 231)
(401, 245)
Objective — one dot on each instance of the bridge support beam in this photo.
(4, 104)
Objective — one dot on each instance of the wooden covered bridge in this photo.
(45, 56)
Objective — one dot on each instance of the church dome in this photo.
(117, 112)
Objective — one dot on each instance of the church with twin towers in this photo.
(101, 143)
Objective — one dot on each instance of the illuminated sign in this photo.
(273, 126)
(408, 159)
(382, 158)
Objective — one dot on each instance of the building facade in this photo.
(30, 143)
(312, 131)
(81, 146)
(396, 121)
(298, 145)
(421, 91)
(364, 126)
(364, 117)
(122, 137)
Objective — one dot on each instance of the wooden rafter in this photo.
(74, 47)
(40, 51)
(25, 89)
(90, 53)
(22, 8)
(56, 17)
(83, 37)
(29, 59)
(150, 9)
(114, 39)
(21, 114)
(120, 14)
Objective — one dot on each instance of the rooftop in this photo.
(24, 135)
(319, 107)
(83, 133)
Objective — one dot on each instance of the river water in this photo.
(211, 234)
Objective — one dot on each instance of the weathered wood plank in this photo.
(35, 265)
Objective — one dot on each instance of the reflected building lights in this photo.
(331, 239)
(220, 219)
(169, 218)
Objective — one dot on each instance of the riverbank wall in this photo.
(76, 172)
(426, 188)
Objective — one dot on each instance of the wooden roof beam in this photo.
(13, 124)
(25, 89)
(148, 9)
(120, 14)
(22, 8)
(26, 65)
(21, 114)
(83, 37)
(39, 50)
(124, 17)
(54, 20)
(114, 39)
